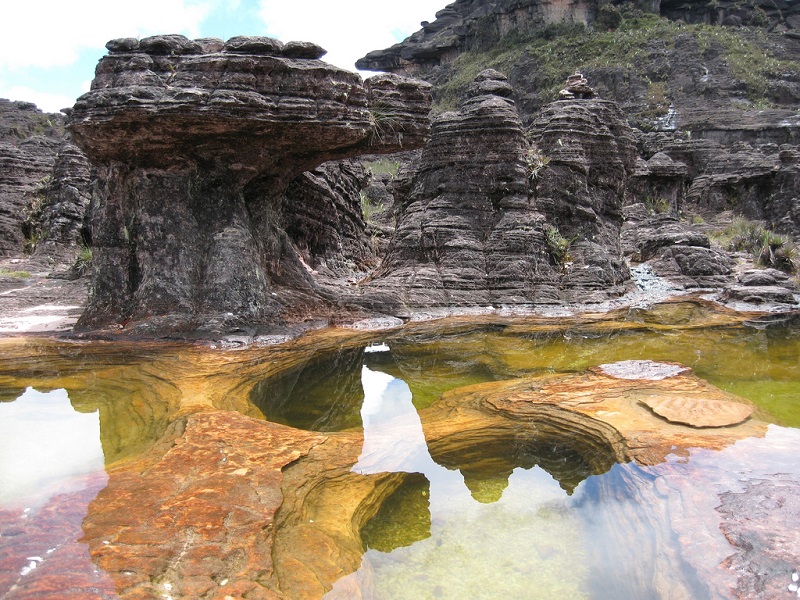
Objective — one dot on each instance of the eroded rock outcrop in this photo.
(323, 218)
(674, 249)
(195, 144)
(468, 233)
(64, 226)
(495, 218)
(591, 153)
(29, 141)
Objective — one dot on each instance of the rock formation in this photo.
(195, 144)
(29, 140)
(591, 153)
(675, 249)
(468, 233)
(467, 24)
(492, 218)
(64, 226)
(322, 216)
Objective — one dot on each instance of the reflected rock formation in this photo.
(231, 505)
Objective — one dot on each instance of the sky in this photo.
(49, 48)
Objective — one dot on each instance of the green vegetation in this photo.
(368, 207)
(14, 274)
(33, 215)
(535, 161)
(557, 245)
(84, 260)
(555, 51)
(383, 165)
(767, 247)
(386, 122)
(656, 206)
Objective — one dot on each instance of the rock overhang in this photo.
(169, 93)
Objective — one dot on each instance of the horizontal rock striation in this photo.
(468, 233)
(492, 219)
(64, 226)
(29, 141)
(581, 191)
(323, 218)
(195, 144)
(469, 24)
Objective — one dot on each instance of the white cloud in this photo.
(347, 29)
(50, 33)
(51, 103)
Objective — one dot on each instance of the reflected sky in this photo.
(633, 532)
(471, 542)
(45, 447)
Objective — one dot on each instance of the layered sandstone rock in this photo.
(323, 218)
(195, 144)
(66, 203)
(468, 233)
(591, 153)
(29, 141)
(495, 218)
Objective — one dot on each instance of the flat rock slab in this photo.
(699, 412)
(642, 370)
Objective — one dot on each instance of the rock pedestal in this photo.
(195, 143)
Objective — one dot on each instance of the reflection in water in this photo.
(528, 534)
(45, 447)
(51, 468)
(632, 532)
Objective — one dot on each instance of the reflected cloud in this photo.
(45, 447)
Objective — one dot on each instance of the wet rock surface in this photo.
(212, 140)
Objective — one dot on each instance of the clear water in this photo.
(521, 517)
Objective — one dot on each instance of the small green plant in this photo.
(557, 245)
(368, 208)
(656, 206)
(84, 260)
(14, 274)
(386, 122)
(768, 248)
(383, 165)
(535, 161)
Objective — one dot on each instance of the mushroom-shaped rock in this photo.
(195, 143)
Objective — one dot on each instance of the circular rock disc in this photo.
(697, 412)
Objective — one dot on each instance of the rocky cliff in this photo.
(29, 142)
(688, 66)
(196, 142)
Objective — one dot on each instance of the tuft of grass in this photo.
(557, 246)
(368, 208)
(14, 274)
(768, 248)
(656, 206)
(83, 262)
(383, 165)
(535, 161)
